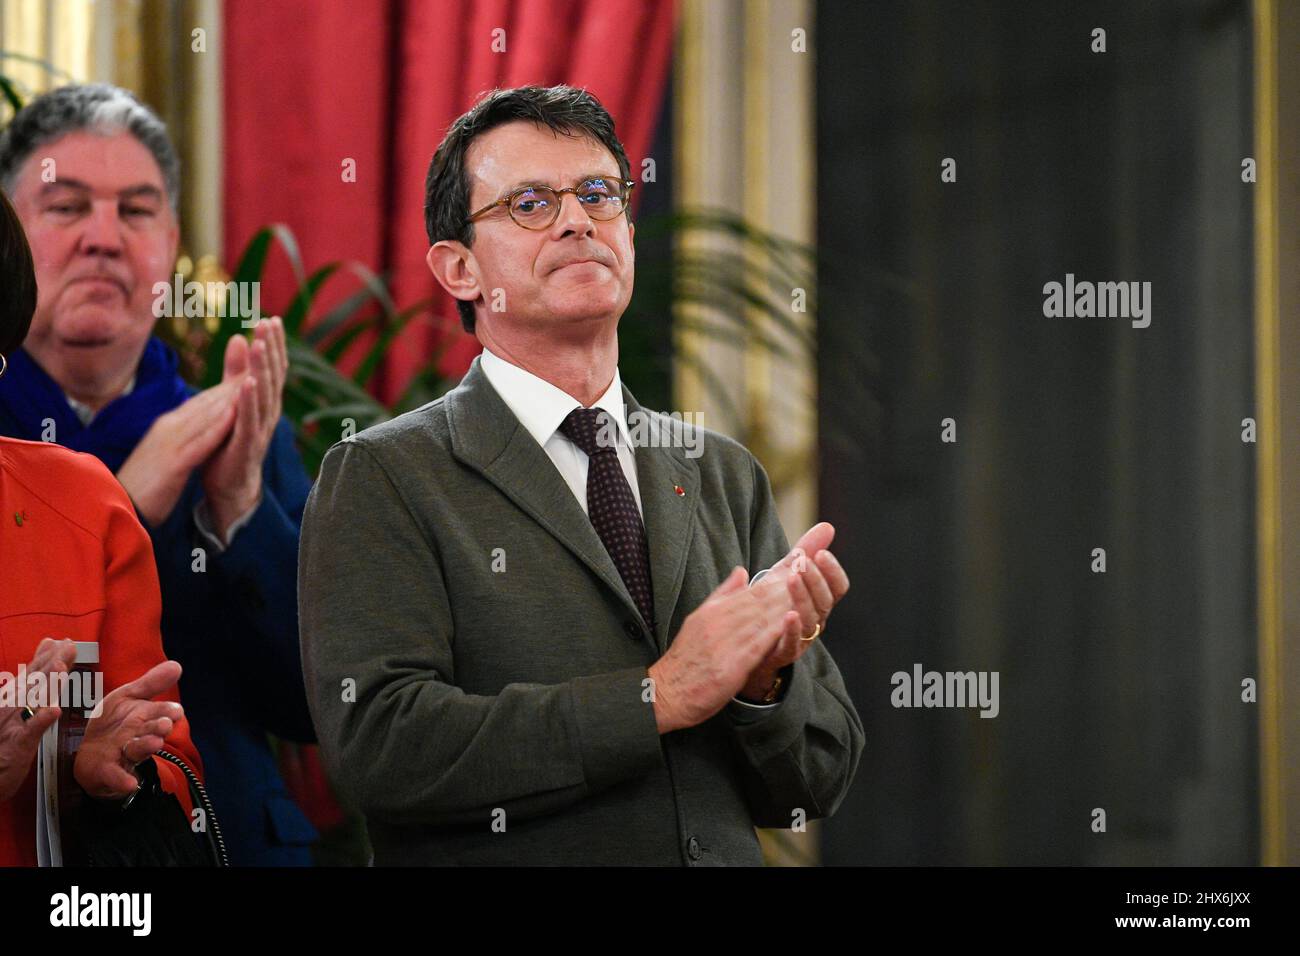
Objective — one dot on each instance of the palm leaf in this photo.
(10, 94)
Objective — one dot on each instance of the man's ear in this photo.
(450, 262)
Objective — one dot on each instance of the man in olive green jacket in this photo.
(493, 677)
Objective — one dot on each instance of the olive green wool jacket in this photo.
(475, 665)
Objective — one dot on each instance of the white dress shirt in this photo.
(541, 408)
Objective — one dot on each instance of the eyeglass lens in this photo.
(539, 205)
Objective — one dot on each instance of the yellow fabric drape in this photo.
(151, 48)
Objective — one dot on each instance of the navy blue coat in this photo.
(234, 629)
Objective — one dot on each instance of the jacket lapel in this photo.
(662, 468)
(486, 436)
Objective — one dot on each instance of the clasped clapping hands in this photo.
(740, 637)
(129, 726)
(226, 429)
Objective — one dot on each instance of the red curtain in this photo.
(311, 86)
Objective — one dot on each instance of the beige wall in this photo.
(745, 142)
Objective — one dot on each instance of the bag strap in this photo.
(199, 795)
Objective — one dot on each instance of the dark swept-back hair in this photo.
(17, 280)
(564, 109)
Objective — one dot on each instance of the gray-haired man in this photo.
(214, 475)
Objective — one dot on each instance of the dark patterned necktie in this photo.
(611, 504)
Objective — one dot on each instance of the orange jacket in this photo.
(75, 563)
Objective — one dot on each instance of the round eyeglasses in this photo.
(537, 207)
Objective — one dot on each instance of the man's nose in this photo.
(102, 232)
(572, 218)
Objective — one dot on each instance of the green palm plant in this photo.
(712, 273)
(324, 403)
(14, 92)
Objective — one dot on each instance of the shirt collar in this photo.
(87, 414)
(540, 406)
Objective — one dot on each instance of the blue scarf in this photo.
(28, 396)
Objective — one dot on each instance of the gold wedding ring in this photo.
(814, 634)
(27, 714)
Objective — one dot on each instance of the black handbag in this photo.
(151, 829)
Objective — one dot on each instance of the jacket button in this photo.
(633, 630)
(693, 849)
